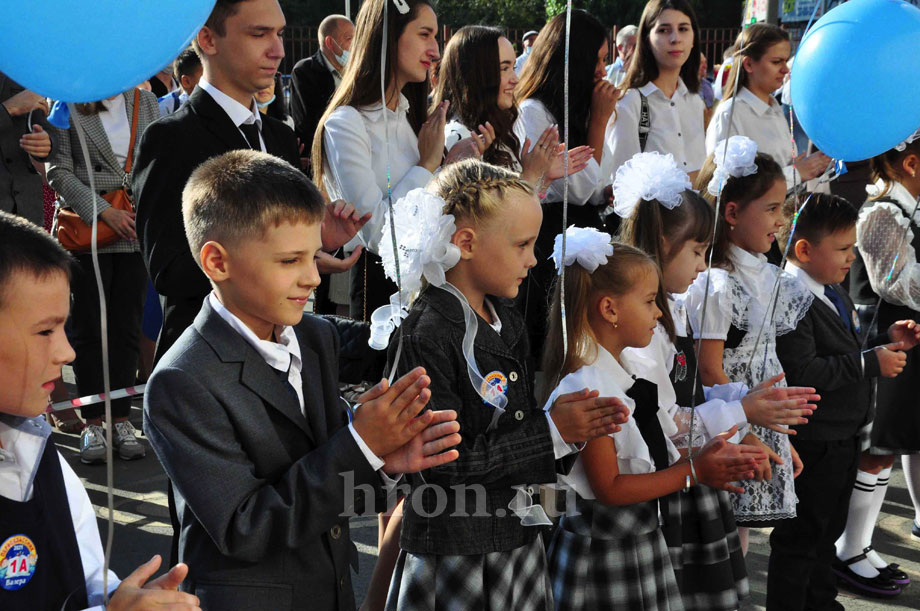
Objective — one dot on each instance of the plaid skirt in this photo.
(497, 581)
(705, 550)
(612, 558)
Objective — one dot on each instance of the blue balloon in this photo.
(856, 79)
(87, 51)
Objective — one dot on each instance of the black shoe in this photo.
(892, 572)
(877, 587)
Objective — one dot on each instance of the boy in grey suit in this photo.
(244, 412)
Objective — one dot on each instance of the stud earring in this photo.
(731, 227)
(615, 325)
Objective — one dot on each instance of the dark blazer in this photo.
(20, 182)
(261, 490)
(313, 87)
(518, 451)
(823, 353)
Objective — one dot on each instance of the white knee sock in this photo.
(881, 489)
(911, 465)
(860, 524)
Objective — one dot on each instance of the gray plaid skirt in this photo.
(612, 558)
(705, 550)
(497, 581)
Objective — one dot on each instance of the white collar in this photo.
(328, 64)
(649, 88)
(759, 107)
(745, 260)
(238, 113)
(374, 112)
(115, 104)
(280, 355)
(899, 194)
(496, 323)
(805, 278)
(678, 313)
(24, 441)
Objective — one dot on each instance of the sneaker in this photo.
(125, 440)
(92, 445)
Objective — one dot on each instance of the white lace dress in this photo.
(739, 304)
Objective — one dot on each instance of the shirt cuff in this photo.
(374, 460)
(560, 446)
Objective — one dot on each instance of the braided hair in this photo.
(474, 190)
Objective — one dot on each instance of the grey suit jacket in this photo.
(20, 183)
(260, 486)
(68, 172)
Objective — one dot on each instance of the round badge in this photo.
(494, 385)
(18, 558)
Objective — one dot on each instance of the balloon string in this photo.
(565, 178)
(106, 382)
(718, 208)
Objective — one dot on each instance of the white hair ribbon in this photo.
(648, 176)
(734, 158)
(588, 246)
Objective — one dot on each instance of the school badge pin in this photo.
(18, 558)
(680, 366)
(494, 385)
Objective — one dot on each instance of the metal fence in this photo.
(301, 41)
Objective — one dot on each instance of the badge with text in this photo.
(494, 385)
(18, 558)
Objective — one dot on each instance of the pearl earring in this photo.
(615, 325)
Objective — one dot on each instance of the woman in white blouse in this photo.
(358, 151)
(762, 60)
(664, 76)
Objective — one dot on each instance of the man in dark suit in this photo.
(221, 115)
(20, 182)
(315, 78)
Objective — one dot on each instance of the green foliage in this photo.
(523, 14)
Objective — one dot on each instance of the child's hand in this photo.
(340, 224)
(891, 360)
(797, 465)
(134, 595)
(779, 407)
(763, 471)
(582, 416)
(907, 332)
(720, 463)
(327, 264)
(389, 415)
(426, 450)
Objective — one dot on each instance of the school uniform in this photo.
(455, 131)
(606, 557)
(266, 470)
(50, 552)
(464, 544)
(824, 351)
(882, 222)
(704, 544)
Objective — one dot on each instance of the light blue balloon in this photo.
(856, 78)
(87, 51)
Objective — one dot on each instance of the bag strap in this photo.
(130, 159)
(645, 122)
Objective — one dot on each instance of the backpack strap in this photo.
(645, 122)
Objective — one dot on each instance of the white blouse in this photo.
(584, 186)
(612, 379)
(355, 169)
(763, 123)
(455, 131)
(878, 236)
(676, 127)
(117, 125)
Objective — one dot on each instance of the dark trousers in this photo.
(178, 315)
(802, 549)
(124, 281)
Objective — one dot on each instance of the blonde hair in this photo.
(474, 191)
(615, 278)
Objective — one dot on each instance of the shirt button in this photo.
(685, 163)
(336, 532)
(678, 134)
(672, 104)
(513, 376)
(341, 583)
(98, 168)
(519, 415)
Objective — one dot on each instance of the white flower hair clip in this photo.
(425, 251)
(590, 247)
(910, 140)
(734, 158)
(646, 177)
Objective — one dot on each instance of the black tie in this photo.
(251, 131)
(645, 394)
(837, 300)
(283, 376)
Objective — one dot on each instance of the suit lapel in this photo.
(216, 120)
(313, 400)
(833, 313)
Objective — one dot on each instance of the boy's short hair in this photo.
(26, 247)
(240, 194)
(187, 63)
(821, 215)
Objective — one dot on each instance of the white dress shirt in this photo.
(676, 128)
(355, 168)
(763, 123)
(336, 75)
(284, 355)
(117, 125)
(238, 113)
(584, 186)
(455, 131)
(810, 283)
(23, 442)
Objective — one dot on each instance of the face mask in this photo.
(343, 57)
(265, 104)
(527, 50)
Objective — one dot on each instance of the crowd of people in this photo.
(579, 417)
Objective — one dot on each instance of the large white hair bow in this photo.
(910, 140)
(587, 245)
(734, 158)
(648, 176)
